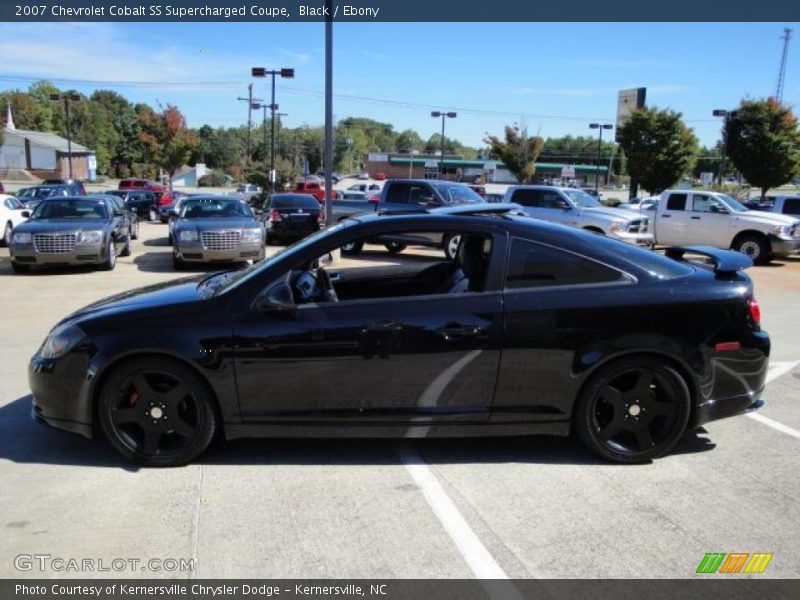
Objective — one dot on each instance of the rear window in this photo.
(459, 194)
(791, 206)
(676, 202)
(535, 265)
(294, 202)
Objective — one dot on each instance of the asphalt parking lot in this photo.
(521, 507)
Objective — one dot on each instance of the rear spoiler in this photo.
(724, 261)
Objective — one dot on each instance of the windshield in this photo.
(71, 209)
(581, 199)
(230, 280)
(733, 203)
(210, 208)
(459, 194)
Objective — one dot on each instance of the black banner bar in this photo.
(711, 587)
(402, 10)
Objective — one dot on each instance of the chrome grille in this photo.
(638, 226)
(220, 240)
(54, 243)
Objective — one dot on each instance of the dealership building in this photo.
(458, 168)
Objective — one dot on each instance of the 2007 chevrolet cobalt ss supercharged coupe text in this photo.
(532, 328)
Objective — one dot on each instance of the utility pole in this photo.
(599, 127)
(67, 98)
(328, 154)
(444, 115)
(787, 35)
(250, 100)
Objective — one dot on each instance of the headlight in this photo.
(780, 230)
(90, 237)
(251, 235)
(187, 235)
(22, 237)
(61, 340)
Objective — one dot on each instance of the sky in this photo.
(555, 78)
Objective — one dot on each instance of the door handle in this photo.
(384, 327)
(697, 218)
(455, 332)
(336, 277)
(666, 216)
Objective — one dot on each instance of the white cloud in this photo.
(103, 52)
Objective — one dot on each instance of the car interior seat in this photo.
(470, 267)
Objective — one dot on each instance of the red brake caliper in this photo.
(134, 398)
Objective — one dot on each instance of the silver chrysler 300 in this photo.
(211, 229)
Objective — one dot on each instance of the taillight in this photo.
(274, 215)
(755, 311)
(375, 199)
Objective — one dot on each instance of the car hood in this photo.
(613, 213)
(215, 224)
(757, 216)
(159, 295)
(60, 225)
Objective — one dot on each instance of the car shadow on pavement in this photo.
(6, 271)
(24, 440)
(161, 262)
(162, 242)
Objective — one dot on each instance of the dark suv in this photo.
(30, 197)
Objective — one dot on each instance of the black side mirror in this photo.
(564, 205)
(277, 300)
(26, 214)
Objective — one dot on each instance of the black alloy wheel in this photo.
(633, 410)
(156, 412)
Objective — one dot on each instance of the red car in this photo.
(313, 189)
(141, 184)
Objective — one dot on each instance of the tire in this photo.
(633, 410)
(450, 245)
(111, 256)
(395, 247)
(128, 248)
(7, 232)
(178, 264)
(352, 249)
(754, 246)
(156, 412)
(18, 268)
(135, 231)
(169, 239)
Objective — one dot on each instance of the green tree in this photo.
(168, 141)
(518, 151)
(409, 140)
(763, 142)
(659, 148)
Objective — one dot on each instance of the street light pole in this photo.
(286, 74)
(599, 127)
(443, 115)
(67, 98)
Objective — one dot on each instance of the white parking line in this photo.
(776, 370)
(480, 561)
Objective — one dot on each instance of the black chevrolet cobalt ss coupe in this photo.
(533, 328)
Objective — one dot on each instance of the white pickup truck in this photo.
(688, 217)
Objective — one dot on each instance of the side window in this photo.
(421, 194)
(791, 206)
(534, 265)
(676, 202)
(552, 200)
(532, 198)
(398, 192)
(704, 204)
